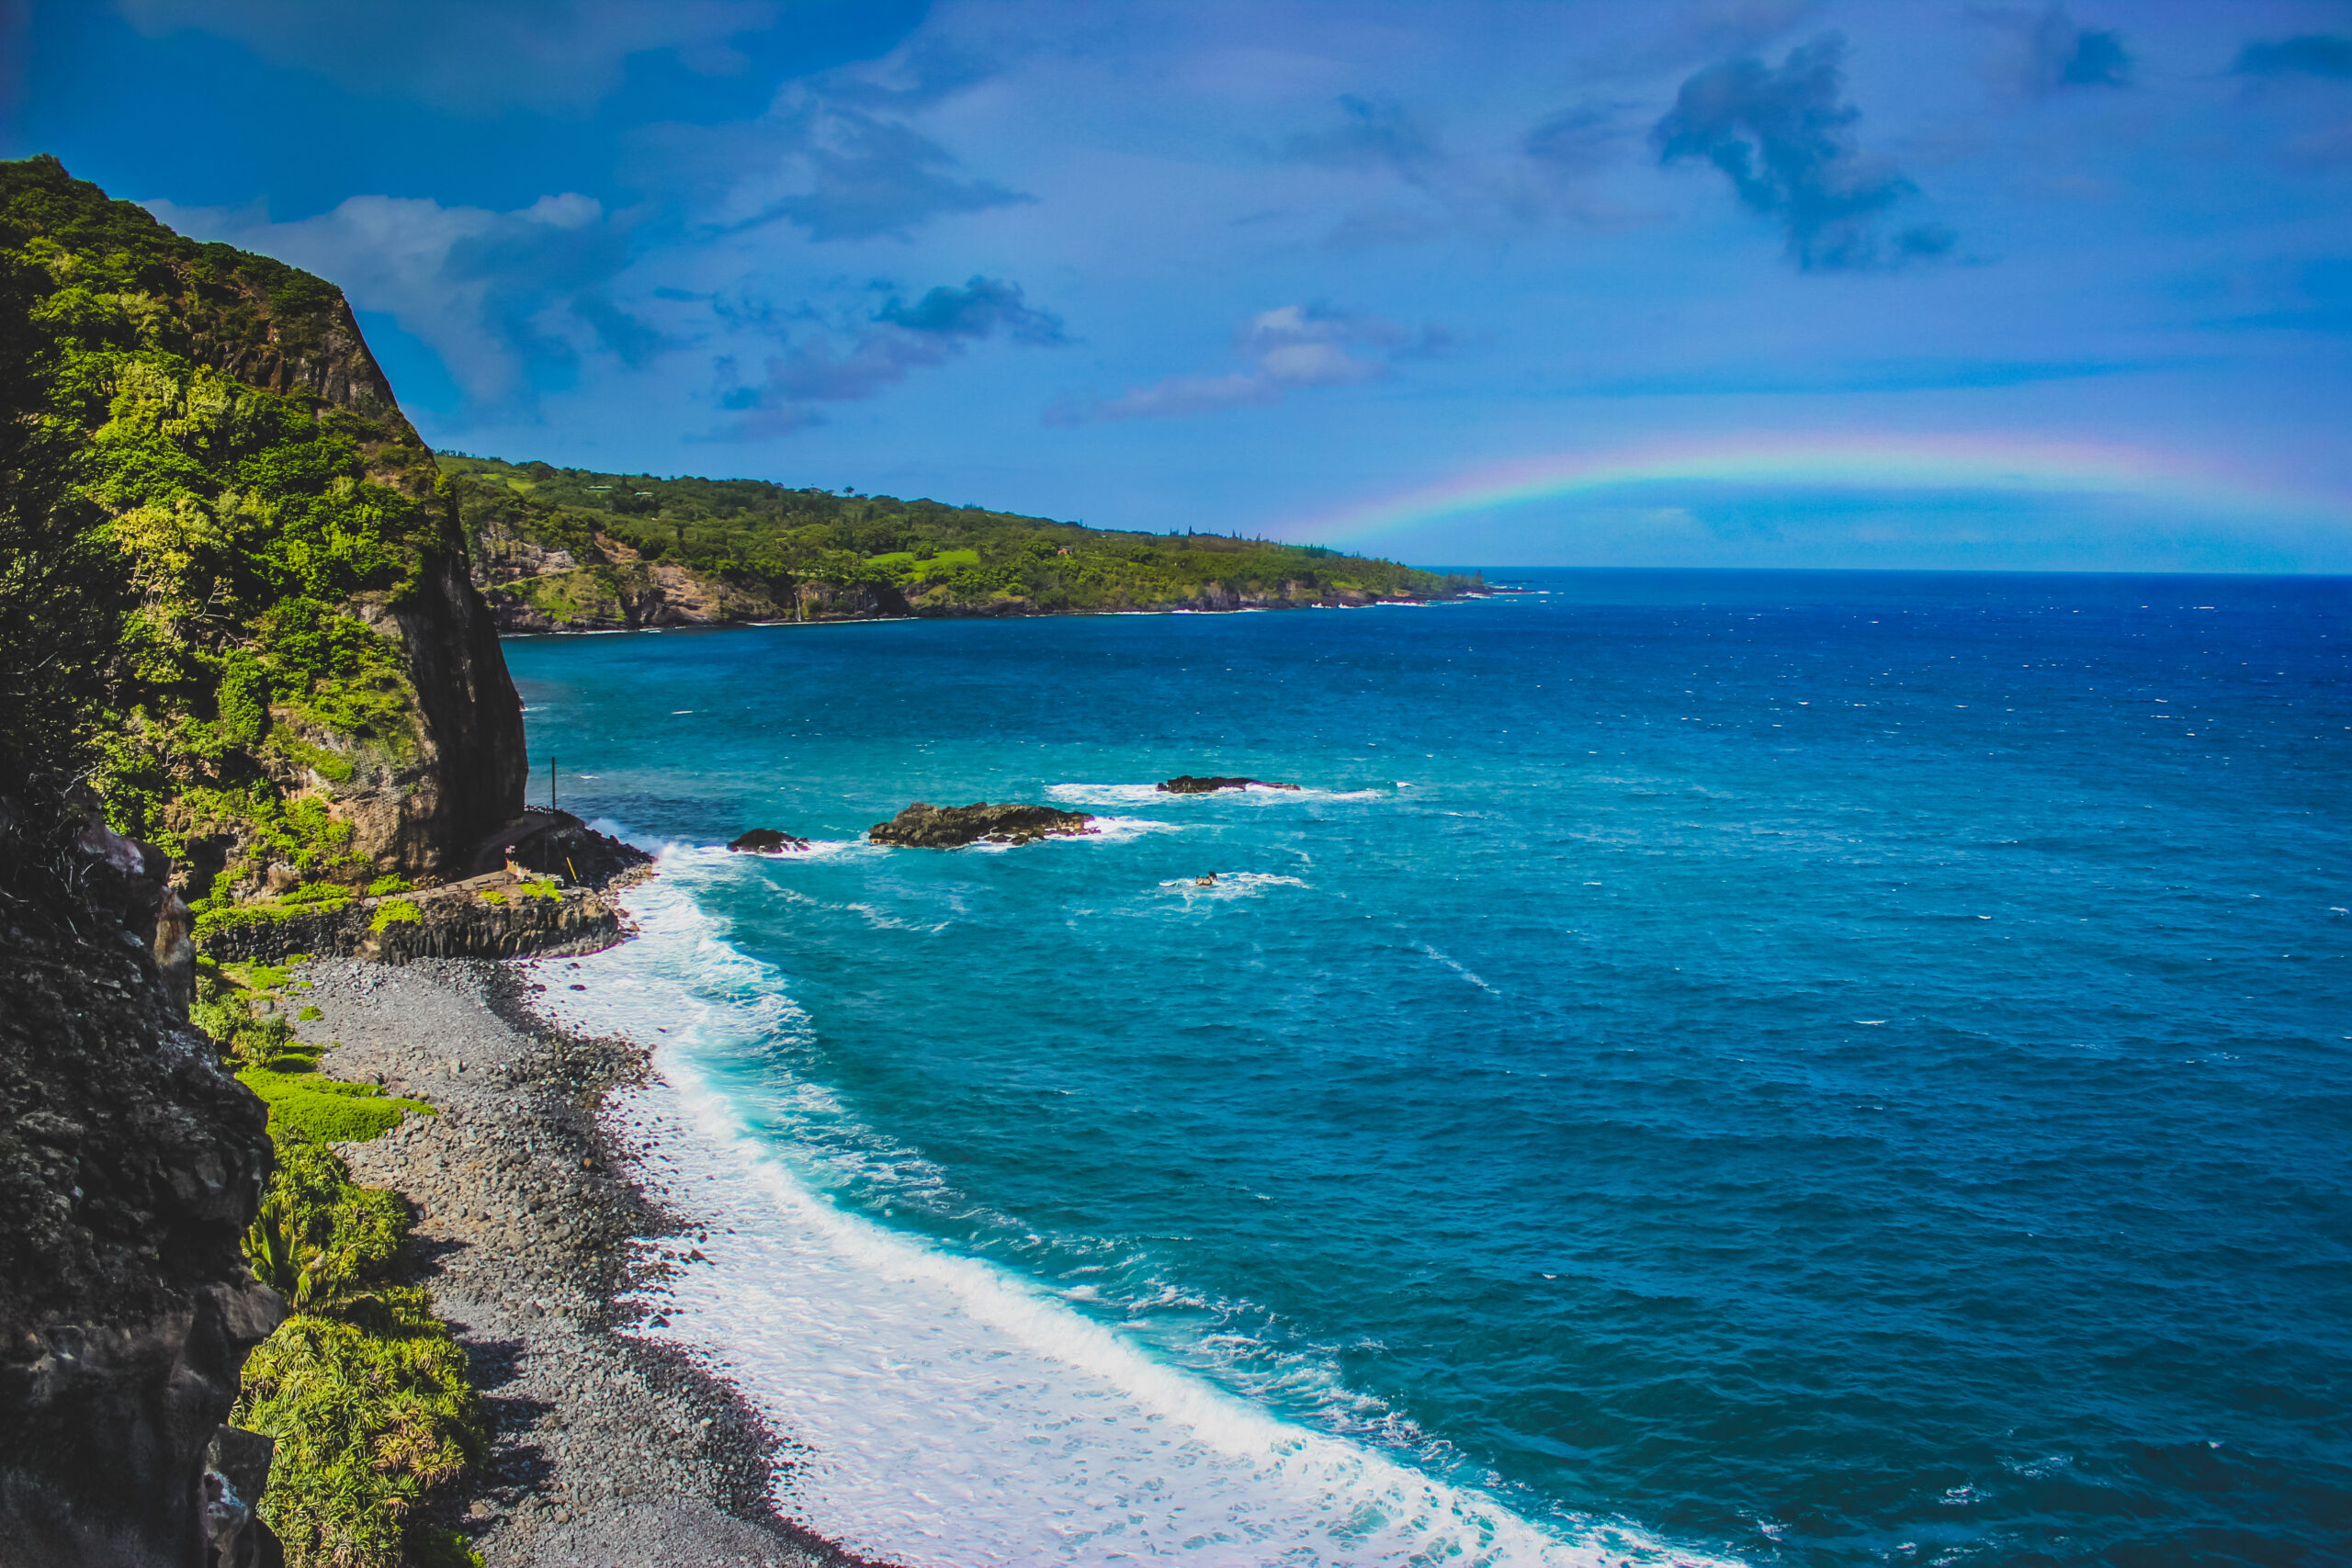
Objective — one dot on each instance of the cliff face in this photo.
(130, 1163)
(310, 688)
(472, 761)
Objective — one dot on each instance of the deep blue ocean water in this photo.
(1823, 1068)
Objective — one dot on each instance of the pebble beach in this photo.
(606, 1450)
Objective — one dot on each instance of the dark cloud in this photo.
(1370, 135)
(869, 177)
(550, 55)
(2309, 54)
(979, 309)
(635, 340)
(1783, 138)
(823, 363)
(2048, 53)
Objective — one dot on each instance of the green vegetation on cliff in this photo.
(563, 548)
(212, 515)
(365, 1389)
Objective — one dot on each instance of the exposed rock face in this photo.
(1185, 783)
(471, 771)
(533, 588)
(130, 1163)
(455, 922)
(432, 754)
(766, 841)
(953, 827)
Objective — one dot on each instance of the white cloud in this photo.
(1288, 348)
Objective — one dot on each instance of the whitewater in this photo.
(941, 1411)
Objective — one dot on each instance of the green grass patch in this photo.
(327, 1110)
(396, 912)
(493, 896)
(309, 1015)
(383, 886)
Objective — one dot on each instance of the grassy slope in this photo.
(753, 547)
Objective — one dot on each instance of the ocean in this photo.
(1709, 1067)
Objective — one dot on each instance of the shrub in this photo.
(385, 886)
(372, 1412)
(365, 1392)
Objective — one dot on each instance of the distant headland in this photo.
(570, 549)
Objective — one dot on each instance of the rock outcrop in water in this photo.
(953, 827)
(766, 841)
(130, 1163)
(1185, 783)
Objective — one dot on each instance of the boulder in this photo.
(953, 827)
(766, 841)
(1185, 783)
(556, 843)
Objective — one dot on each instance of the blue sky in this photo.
(1262, 266)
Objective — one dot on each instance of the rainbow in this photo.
(1846, 462)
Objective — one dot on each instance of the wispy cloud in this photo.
(1371, 134)
(2048, 53)
(1285, 350)
(1784, 140)
(830, 361)
(843, 174)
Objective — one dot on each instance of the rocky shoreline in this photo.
(606, 1450)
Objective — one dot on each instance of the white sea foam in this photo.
(1230, 885)
(1458, 967)
(1145, 793)
(950, 1412)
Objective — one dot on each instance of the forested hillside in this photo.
(566, 548)
(232, 594)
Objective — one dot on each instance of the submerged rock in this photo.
(1185, 783)
(766, 841)
(952, 827)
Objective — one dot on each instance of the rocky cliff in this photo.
(308, 687)
(130, 1163)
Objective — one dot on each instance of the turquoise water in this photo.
(1823, 1068)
